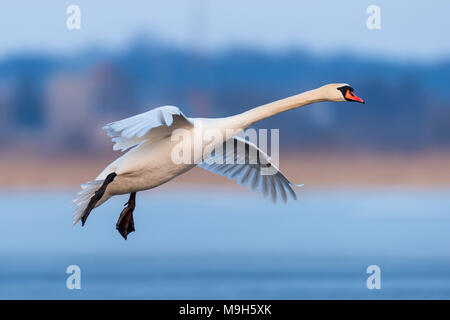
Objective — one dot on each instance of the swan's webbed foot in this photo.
(125, 224)
(96, 197)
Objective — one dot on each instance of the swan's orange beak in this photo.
(350, 96)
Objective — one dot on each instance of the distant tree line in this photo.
(408, 104)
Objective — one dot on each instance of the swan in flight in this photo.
(149, 161)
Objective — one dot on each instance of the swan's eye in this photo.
(345, 90)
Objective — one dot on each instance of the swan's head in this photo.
(340, 92)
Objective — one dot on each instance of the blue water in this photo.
(215, 244)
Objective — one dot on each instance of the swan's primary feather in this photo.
(152, 125)
(245, 163)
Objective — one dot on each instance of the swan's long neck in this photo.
(251, 116)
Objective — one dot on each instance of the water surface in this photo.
(215, 244)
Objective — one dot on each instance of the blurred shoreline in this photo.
(21, 169)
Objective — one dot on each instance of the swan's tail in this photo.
(81, 202)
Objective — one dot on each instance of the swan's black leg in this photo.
(97, 196)
(125, 224)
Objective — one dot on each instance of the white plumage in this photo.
(148, 162)
(247, 168)
(131, 131)
(81, 202)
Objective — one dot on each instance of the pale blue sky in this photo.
(410, 29)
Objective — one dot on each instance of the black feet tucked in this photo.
(97, 196)
(125, 224)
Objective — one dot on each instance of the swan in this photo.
(148, 162)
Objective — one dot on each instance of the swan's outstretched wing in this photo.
(151, 125)
(250, 166)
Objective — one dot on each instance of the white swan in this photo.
(150, 163)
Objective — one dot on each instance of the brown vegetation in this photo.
(321, 169)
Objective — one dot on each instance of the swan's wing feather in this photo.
(152, 125)
(246, 164)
